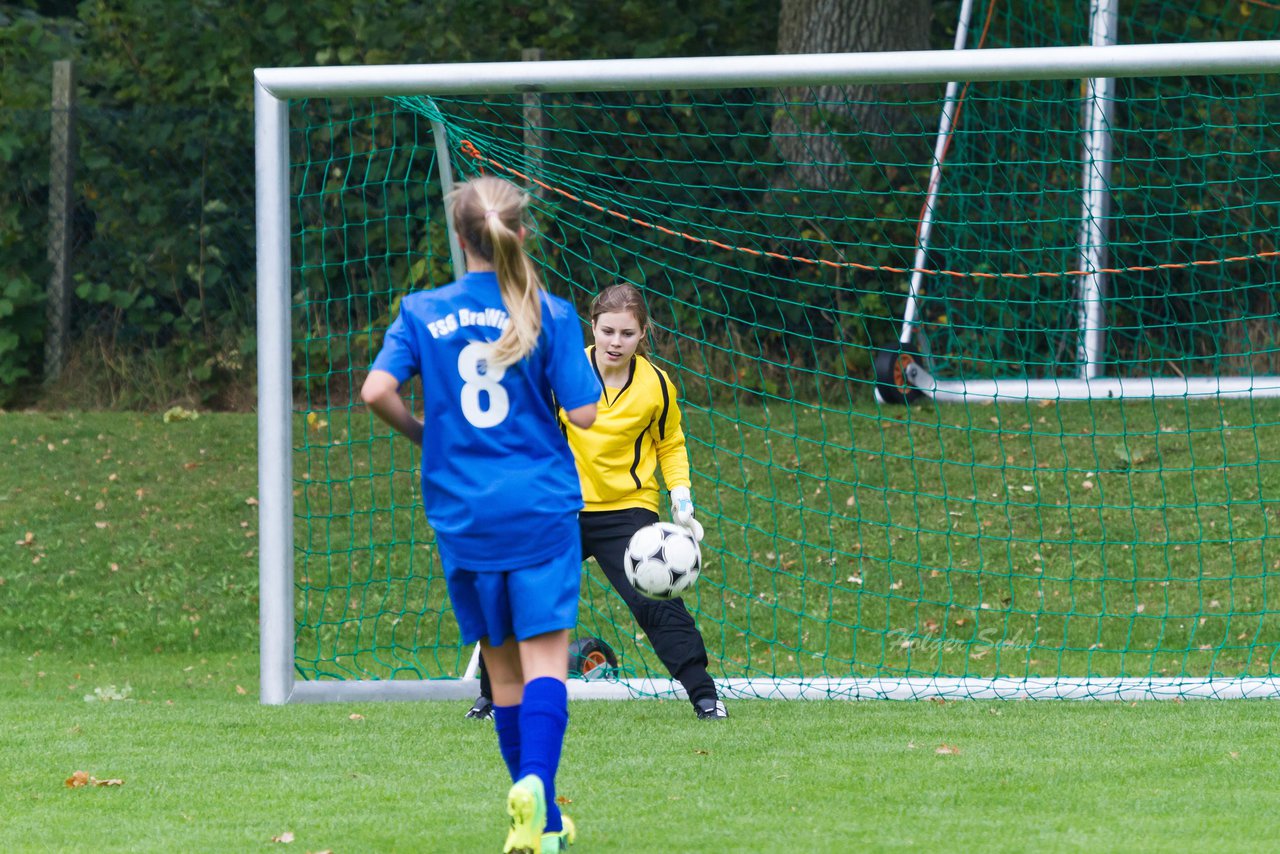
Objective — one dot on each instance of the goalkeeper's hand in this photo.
(682, 512)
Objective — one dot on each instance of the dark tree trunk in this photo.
(814, 137)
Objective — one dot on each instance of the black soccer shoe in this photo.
(710, 710)
(481, 710)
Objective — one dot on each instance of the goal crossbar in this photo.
(925, 66)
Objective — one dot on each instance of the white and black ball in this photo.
(662, 560)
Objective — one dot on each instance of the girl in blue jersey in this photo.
(496, 353)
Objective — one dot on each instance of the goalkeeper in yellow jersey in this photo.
(636, 433)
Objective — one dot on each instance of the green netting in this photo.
(1192, 179)
(846, 538)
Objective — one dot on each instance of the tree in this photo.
(809, 136)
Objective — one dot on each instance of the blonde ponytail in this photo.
(489, 214)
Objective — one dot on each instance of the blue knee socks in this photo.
(506, 720)
(543, 718)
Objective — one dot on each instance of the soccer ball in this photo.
(662, 560)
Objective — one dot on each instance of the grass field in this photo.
(128, 575)
(1128, 539)
(205, 768)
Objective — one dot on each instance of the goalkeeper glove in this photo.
(682, 512)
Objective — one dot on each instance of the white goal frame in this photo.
(273, 87)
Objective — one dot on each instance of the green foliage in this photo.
(164, 235)
(163, 215)
(21, 322)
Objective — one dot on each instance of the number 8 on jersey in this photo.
(478, 375)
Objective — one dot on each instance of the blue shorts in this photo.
(521, 602)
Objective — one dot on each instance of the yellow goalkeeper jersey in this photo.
(637, 431)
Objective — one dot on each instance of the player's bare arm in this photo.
(582, 417)
(381, 393)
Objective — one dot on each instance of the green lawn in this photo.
(128, 573)
(205, 768)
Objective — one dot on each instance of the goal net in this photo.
(980, 541)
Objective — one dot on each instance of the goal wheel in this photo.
(891, 375)
(588, 654)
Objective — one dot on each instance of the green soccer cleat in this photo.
(556, 843)
(527, 806)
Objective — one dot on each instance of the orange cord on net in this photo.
(469, 149)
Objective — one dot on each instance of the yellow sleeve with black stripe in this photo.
(637, 433)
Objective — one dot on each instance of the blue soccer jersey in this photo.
(498, 479)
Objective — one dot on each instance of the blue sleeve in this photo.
(399, 354)
(569, 369)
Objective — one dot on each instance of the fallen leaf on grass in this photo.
(84, 778)
(947, 750)
(177, 413)
(103, 694)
